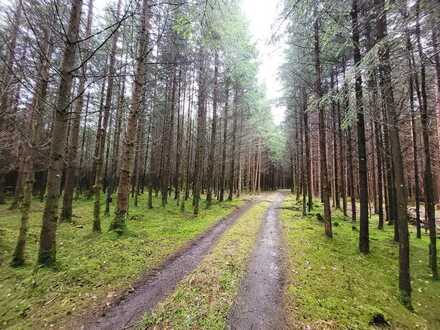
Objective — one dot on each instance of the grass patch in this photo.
(331, 286)
(203, 299)
(92, 268)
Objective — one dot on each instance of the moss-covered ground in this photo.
(331, 286)
(204, 298)
(91, 268)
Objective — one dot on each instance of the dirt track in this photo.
(259, 302)
(129, 309)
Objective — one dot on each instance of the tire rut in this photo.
(259, 301)
(129, 309)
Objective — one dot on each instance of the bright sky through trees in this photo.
(262, 15)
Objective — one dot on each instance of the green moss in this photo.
(203, 299)
(91, 268)
(331, 285)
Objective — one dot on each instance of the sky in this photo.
(262, 14)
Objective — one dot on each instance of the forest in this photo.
(148, 180)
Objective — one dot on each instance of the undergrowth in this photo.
(91, 268)
(332, 286)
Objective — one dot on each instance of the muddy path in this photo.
(127, 311)
(259, 301)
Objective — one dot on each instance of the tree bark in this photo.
(428, 176)
(211, 160)
(364, 241)
(71, 170)
(47, 247)
(322, 133)
(234, 143)
(201, 132)
(225, 141)
(119, 222)
(397, 159)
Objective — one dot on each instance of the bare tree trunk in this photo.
(100, 143)
(322, 133)
(72, 151)
(307, 150)
(119, 224)
(8, 86)
(116, 143)
(179, 140)
(201, 132)
(301, 158)
(188, 144)
(428, 176)
(413, 131)
(341, 159)
(399, 180)
(234, 143)
(377, 132)
(225, 141)
(140, 143)
(30, 144)
(211, 160)
(380, 185)
(83, 142)
(170, 139)
(335, 149)
(47, 248)
(364, 241)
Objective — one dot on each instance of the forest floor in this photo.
(331, 286)
(265, 266)
(92, 270)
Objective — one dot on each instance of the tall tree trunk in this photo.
(201, 132)
(234, 142)
(335, 148)
(364, 241)
(83, 143)
(119, 222)
(120, 107)
(308, 160)
(47, 247)
(179, 140)
(100, 143)
(428, 176)
(322, 133)
(225, 141)
(211, 160)
(169, 138)
(413, 130)
(31, 143)
(28, 181)
(380, 185)
(396, 152)
(72, 151)
(140, 143)
(377, 131)
(341, 159)
(188, 144)
(301, 158)
(8, 85)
